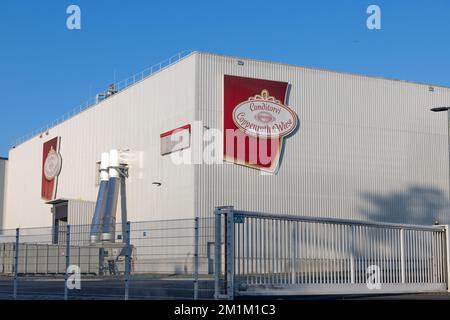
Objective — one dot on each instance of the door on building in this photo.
(60, 218)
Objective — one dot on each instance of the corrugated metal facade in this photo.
(3, 168)
(131, 120)
(367, 148)
(80, 212)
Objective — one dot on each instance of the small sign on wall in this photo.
(176, 140)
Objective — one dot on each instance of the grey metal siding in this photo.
(367, 148)
(80, 212)
(80, 215)
(133, 120)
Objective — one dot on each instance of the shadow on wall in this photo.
(416, 205)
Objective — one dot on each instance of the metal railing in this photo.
(117, 87)
(267, 254)
(147, 260)
(238, 253)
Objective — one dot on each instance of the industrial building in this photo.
(3, 168)
(337, 144)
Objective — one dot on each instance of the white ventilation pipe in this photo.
(114, 157)
(104, 167)
(112, 196)
(101, 198)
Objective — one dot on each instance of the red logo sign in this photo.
(256, 121)
(51, 167)
(262, 116)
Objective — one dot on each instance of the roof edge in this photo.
(93, 101)
(322, 69)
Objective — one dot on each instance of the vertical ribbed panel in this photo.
(131, 120)
(367, 148)
(80, 215)
(80, 212)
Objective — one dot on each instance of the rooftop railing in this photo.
(116, 87)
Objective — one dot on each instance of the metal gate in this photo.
(258, 254)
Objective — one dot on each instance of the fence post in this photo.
(293, 251)
(16, 263)
(66, 276)
(229, 249)
(127, 259)
(196, 259)
(217, 252)
(402, 253)
(352, 254)
(447, 251)
(26, 259)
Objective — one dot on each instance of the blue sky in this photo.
(46, 69)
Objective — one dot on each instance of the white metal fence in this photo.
(268, 254)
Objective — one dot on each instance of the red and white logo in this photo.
(262, 116)
(52, 165)
(51, 168)
(256, 122)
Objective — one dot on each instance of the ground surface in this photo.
(111, 288)
(154, 289)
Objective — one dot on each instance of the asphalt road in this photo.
(160, 289)
(53, 288)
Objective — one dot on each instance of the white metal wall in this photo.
(3, 169)
(133, 119)
(80, 212)
(367, 148)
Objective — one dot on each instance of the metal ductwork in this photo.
(101, 199)
(108, 225)
(113, 174)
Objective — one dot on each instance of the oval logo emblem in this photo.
(264, 117)
(52, 165)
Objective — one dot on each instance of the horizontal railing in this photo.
(276, 254)
(335, 221)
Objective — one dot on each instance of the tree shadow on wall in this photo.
(416, 205)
